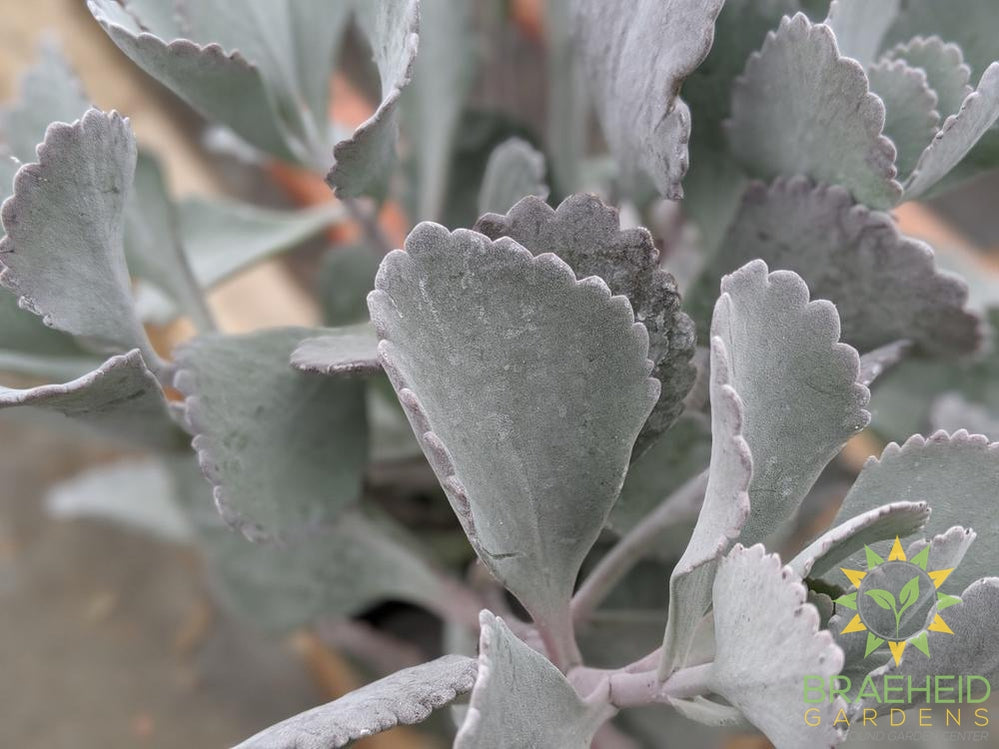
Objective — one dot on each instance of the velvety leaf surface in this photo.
(349, 350)
(760, 611)
(947, 549)
(223, 237)
(49, 92)
(362, 162)
(63, 254)
(860, 26)
(911, 116)
(403, 698)
(723, 513)
(520, 699)
(794, 378)
(946, 73)
(284, 450)
(636, 55)
(587, 235)
(956, 475)
(515, 170)
(957, 135)
(120, 398)
(832, 547)
(527, 389)
(801, 109)
(969, 650)
(885, 285)
(137, 494)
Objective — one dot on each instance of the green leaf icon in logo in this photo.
(882, 598)
(906, 597)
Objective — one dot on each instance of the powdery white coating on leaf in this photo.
(521, 700)
(636, 55)
(767, 640)
(886, 286)
(362, 161)
(860, 26)
(942, 62)
(284, 450)
(404, 698)
(526, 389)
(723, 513)
(121, 398)
(515, 169)
(587, 235)
(799, 108)
(798, 384)
(911, 116)
(957, 475)
(947, 549)
(969, 650)
(957, 136)
(350, 350)
(63, 254)
(832, 547)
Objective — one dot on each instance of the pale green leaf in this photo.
(635, 56)
(284, 450)
(403, 698)
(346, 275)
(521, 700)
(350, 350)
(860, 26)
(527, 389)
(942, 63)
(768, 641)
(514, 171)
(800, 108)
(911, 115)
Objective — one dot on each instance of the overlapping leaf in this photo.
(515, 170)
(635, 56)
(957, 475)
(352, 349)
(520, 699)
(285, 450)
(526, 388)
(946, 73)
(404, 698)
(723, 513)
(911, 115)
(760, 613)
(802, 109)
(885, 286)
(794, 378)
(586, 234)
(860, 27)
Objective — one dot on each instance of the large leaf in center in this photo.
(526, 388)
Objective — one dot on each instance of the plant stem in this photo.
(682, 504)
(368, 222)
(559, 636)
(634, 689)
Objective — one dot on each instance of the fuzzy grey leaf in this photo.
(49, 92)
(885, 286)
(586, 234)
(137, 494)
(956, 475)
(636, 55)
(243, 402)
(521, 700)
(362, 162)
(832, 547)
(350, 350)
(121, 398)
(802, 109)
(860, 26)
(723, 513)
(63, 254)
(760, 610)
(794, 378)
(974, 625)
(975, 29)
(946, 74)
(515, 170)
(958, 135)
(224, 237)
(404, 698)
(526, 388)
(947, 549)
(911, 116)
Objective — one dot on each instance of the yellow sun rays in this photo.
(919, 641)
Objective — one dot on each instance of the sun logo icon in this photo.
(894, 600)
